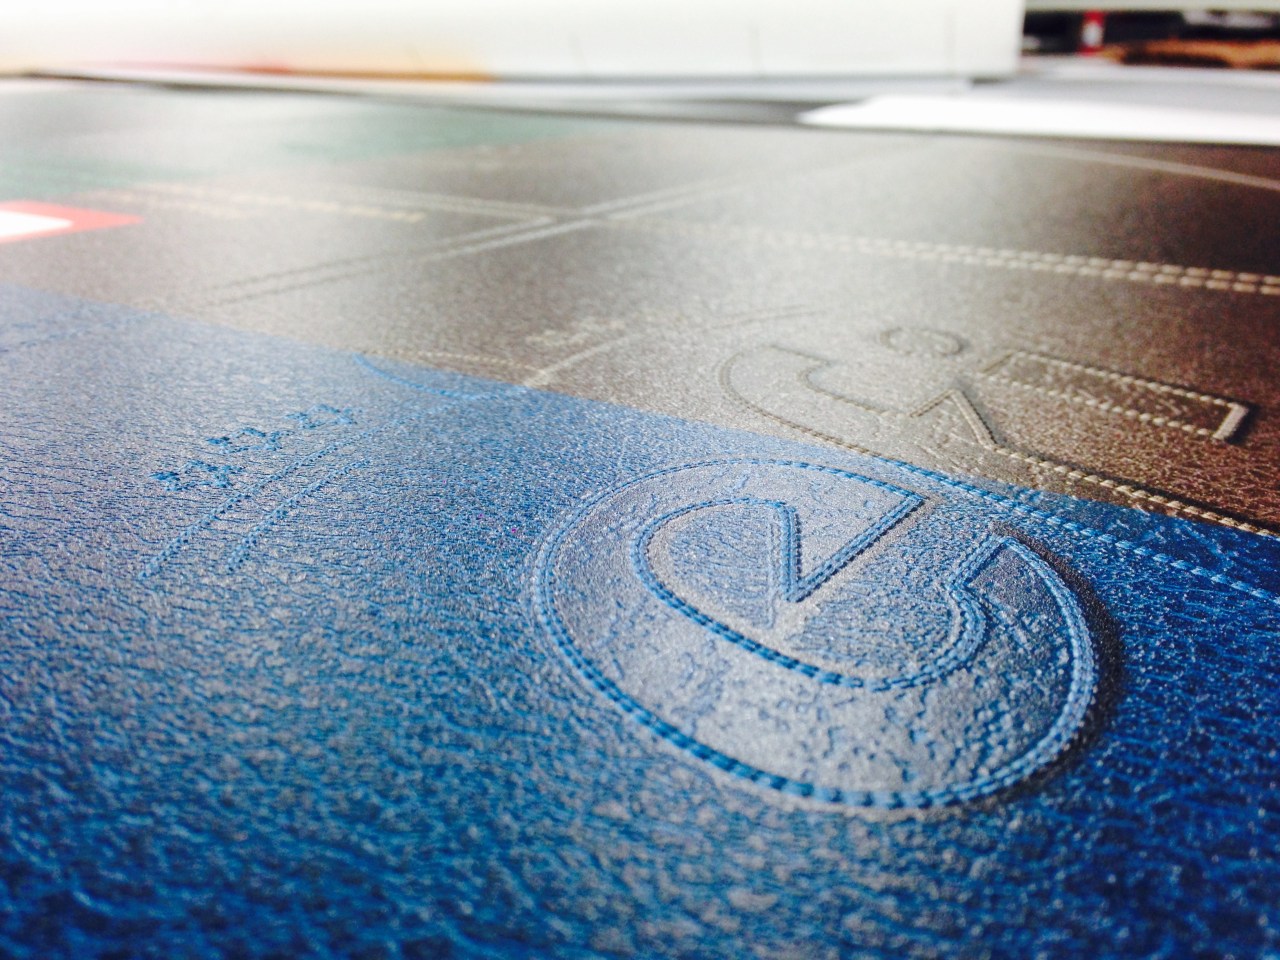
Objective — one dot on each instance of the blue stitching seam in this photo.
(174, 546)
(963, 639)
(171, 549)
(250, 540)
(1058, 737)
(1049, 518)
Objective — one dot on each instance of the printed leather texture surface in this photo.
(1097, 320)
(310, 652)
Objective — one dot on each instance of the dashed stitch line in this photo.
(1236, 412)
(288, 202)
(963, 639)
(330, 272)
(1126, 379)
(1107, 538)
(1106, 406)
(1000, 258)
(113, 195)
(1059, 736)
(175, 546)
(1050, 746)
(178, 543)
(454, 202)
(503, 236)
(1072, 525)
(700, 190)
(240, 554)
(1126, 490)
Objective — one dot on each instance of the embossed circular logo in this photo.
(821, 633)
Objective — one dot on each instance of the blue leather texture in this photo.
(305, 653)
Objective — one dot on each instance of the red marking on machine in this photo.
(1092, 31)
(27, 219)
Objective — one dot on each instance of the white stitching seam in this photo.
(1159, 274)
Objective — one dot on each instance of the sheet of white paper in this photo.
(1049, 118)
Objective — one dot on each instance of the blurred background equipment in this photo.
(513, 39)
(1161, 34)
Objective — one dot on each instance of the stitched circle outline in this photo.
(1084, 672)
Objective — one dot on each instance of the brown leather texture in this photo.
(1094, 319)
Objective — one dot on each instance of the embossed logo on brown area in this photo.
(1006, 417)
